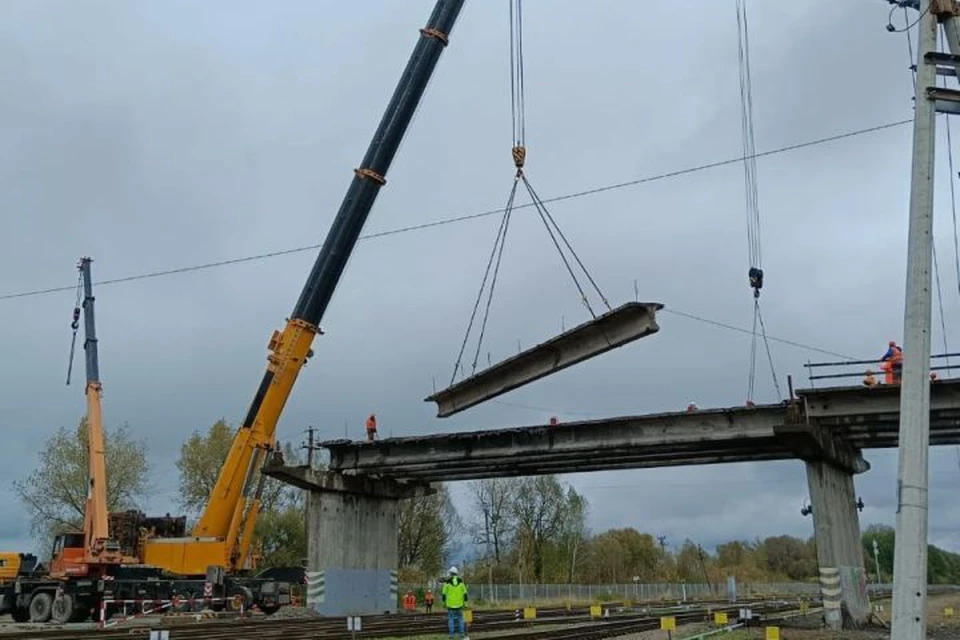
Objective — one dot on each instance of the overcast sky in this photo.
(155, 135)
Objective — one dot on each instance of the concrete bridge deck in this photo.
(842, 420)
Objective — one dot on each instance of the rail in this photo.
(839, 369)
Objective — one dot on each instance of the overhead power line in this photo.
(472, 216)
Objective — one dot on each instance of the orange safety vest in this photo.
(372, 423)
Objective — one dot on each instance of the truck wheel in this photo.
(20, 615)
(62, 610)
(41, 606)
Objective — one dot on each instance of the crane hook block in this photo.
(756, 279)
(519, 153)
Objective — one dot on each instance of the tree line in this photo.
(529, 530)
(55, 491)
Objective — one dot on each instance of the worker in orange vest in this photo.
(371, 428)
(409, 602)
(892, 363)
(428, 600)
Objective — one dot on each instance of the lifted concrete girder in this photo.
(613, 329)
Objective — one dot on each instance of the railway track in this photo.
(397, 625)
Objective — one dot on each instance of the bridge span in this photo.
(352, 505)
(833, 423)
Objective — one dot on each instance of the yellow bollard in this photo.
(773, 633)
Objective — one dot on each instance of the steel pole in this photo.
(910, 552)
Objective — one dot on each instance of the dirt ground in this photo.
(938, 627)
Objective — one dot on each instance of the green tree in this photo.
(283, 536)
(280, 529)
(616, 555)
(943, 567)
(201, 458)
(790, 557)
(56, 491)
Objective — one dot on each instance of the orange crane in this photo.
(89, 553)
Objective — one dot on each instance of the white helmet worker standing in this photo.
(454, 595)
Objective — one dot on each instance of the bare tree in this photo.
(574, 530)
(493, 520)
(426, 527)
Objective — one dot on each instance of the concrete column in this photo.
(351, 553)
(836, 524)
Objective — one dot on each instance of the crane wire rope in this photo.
(518, 152)
(754, 246)
(75, 325)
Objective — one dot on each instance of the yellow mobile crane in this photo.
(222, 536)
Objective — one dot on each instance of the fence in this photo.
(634, 592)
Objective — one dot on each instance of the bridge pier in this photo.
(836, 525)
(352, 556)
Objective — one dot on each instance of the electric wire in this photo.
(29, 293)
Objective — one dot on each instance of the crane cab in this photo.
(67, 557)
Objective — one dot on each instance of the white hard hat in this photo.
(453, 571)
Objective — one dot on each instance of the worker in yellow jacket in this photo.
(454, 595)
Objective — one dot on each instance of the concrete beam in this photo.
(330, 482)
(613, 329)
(845, 420)
(810, 441)
(834, 402)
(627, 442)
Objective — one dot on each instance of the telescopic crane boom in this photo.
(99, 550)
(223, 533)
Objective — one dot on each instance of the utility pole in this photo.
(910, 553)
(310, 446)
(876, 559)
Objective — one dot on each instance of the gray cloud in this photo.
(154, 136)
